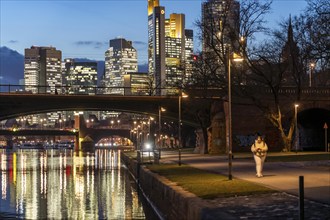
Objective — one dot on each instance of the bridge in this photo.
(17, 104)
(244, 113)
(94, 133)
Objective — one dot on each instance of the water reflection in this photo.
(63, 184)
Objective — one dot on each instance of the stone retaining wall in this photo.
(171, 200)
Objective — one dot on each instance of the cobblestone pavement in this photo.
(277, 205)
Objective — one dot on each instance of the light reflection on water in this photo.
(58, 184)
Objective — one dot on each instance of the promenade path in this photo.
(281, 176)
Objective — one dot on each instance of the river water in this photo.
(63, 184)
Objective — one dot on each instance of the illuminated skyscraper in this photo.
(168, 49)
(42, 67)
(120, 59)
(189, 54)
(43, 74)
(137, 84)
(80, 77)
(220, 22)
(174, 51)
(156, 44)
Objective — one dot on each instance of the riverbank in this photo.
(273, 205)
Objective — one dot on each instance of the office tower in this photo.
(120, 59)
(156, 44)
(174, 51)
(169, 49)
(79, 77)
(189, 54)
(43, 74)
(137, 84)
(220, 22)
(42, 68)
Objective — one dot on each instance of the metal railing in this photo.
(143, 91)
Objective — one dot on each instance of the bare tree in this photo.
(278, 62)
(221, 31)
(269, 65)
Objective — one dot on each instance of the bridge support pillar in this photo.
(77, 142)
(78, 125)
(217, 134)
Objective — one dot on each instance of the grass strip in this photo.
(207, 185)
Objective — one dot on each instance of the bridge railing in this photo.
(310, 91)
(85, 90)
(143, 91)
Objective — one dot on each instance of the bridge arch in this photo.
(311, 128)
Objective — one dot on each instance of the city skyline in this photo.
(82, 29)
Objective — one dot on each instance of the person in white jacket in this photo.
(259, 150)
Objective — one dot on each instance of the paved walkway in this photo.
(282, 176)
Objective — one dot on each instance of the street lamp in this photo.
(312, 65)
(160, 110)
(149, 122)
(236, 58)
(181, 95)
(296, 126)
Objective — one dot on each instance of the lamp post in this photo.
(149, 122)
(310, 73)
(236, 58)
(296, 126)
(181, 95)
(135, 138)
(160, 110)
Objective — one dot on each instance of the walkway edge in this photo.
(170, 199)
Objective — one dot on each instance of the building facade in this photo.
(189, 55)
(42, 69)
(156, 44)
(167, 50)
(138, 84)
(79, 77)
(43, 74)
(220, 22)
(120, 59)
(174, 51)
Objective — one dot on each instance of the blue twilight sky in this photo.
(82, 29)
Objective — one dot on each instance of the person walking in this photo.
(259, 150)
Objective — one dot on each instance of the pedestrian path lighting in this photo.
(181, 95)
(149, 123)
(296, 126)
(311, 67)
(235, 58)
(160, 110)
